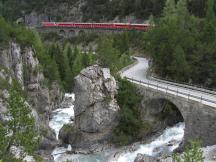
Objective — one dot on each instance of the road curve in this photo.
(138, 72)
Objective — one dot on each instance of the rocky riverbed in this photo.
(162, 145)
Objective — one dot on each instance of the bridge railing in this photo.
(185, 85)
(167, 89)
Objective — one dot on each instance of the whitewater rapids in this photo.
(164, 144)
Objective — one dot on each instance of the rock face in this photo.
(95, 109)
(95, 106)
(21, 63)
(24, 66)
(64, 11)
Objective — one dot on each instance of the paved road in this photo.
(138, 73)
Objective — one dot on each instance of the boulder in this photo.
(95, 108)
(68, 134)
(145, 158)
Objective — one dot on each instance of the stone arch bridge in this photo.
(199, 118)
(196, 105)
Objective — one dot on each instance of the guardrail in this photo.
(167, 89)
(185, 85)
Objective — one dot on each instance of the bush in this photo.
(193, 153)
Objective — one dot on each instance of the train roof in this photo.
(95, 23)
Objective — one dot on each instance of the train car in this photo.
(113, 26)
(48, 24)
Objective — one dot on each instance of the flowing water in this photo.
(164, 144)
(62, 116)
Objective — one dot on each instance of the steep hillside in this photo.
(23, 64)
(33, 12)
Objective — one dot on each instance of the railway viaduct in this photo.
(71, 32)
(69, 29)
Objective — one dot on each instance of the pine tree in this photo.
(67, 70)
(182, 12)
(170, 8)
(179, 68)
(210, 15)
(151, 20)
(78, 64)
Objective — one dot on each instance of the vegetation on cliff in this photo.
(27, 37)
(20, 129)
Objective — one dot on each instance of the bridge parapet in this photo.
(175, 92)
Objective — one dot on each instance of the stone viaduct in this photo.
(200, 119)
(73, 32)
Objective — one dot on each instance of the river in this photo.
(164, 144)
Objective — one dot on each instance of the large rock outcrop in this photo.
(95, 108)
(23, 65)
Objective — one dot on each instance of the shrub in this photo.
(21, 125)
(193, 153)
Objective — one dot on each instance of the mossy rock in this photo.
(68, 134)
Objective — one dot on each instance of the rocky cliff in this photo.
(95, 110)
(57, 11)
(21, 63)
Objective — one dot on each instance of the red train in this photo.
(120, 26)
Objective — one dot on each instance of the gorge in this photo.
(107, 81)
(164, 144)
